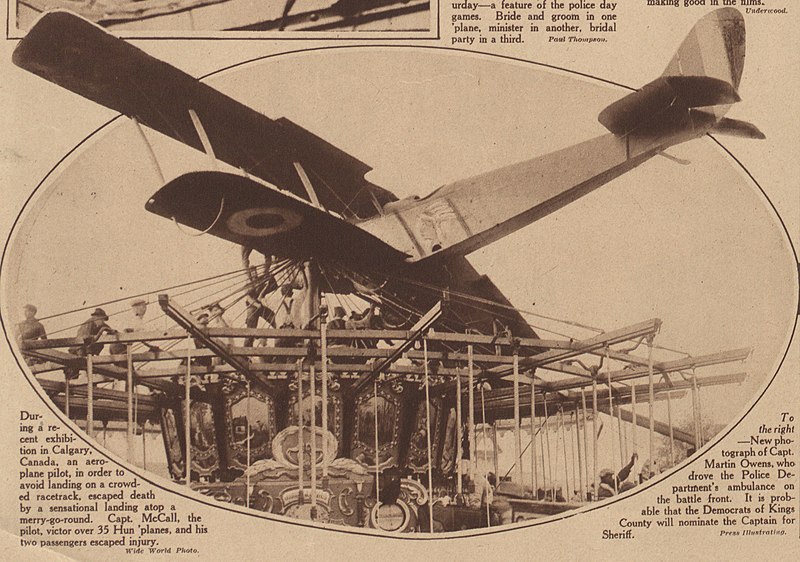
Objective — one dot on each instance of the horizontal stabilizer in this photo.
(249, 213)
(736, 128)
(664, 101)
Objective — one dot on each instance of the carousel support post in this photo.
(594, 434)
(249, 435)
(377, 444)
(473, 458)
(313, 392)
(651, 400)
(129, 393)
(701, 435)
(635, 416)
(564, 441)
(483, 428)
(324, 359)
(517, 431)
(575, 487)
(624, 429)
(585, 439)
(581, 482)
(495, 455)
(695, 411)
(187, 411)
(66, 397)
(301, 445)
(671, 430)
(544, 465)
(534, 469)
(611, 419)
(550, 477)
(89, 396)
(428, 433)
(144, 445)
(622, 453)
(459, 452)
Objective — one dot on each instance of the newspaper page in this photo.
(398, 279)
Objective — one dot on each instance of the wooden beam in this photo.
(110, 371)
(585, 346)
(296, 334)
(501, 400)
(188, 322)
(644, 421)
(665, 367)
(423, 325)
(300, 352)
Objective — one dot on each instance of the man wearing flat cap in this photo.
(608, 485)
(30, 328)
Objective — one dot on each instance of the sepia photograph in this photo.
(206, 16)
(398, 289)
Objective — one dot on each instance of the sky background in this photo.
(694, 245)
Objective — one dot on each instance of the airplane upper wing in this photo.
(85, 59)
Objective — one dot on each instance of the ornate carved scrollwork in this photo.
(344, 505)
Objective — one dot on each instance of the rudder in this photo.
(715, 47)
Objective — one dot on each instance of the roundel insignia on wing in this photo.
(263, 221)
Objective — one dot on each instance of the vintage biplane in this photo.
(238, 15)
(310, 424)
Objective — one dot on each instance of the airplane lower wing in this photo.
(83, 58)
(243, 211)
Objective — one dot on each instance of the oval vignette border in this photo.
(368, 532)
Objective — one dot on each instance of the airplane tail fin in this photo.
(715, 47)
(696, 89)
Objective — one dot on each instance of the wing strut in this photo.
(201, 132)
(312, 195)
(150, 150)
